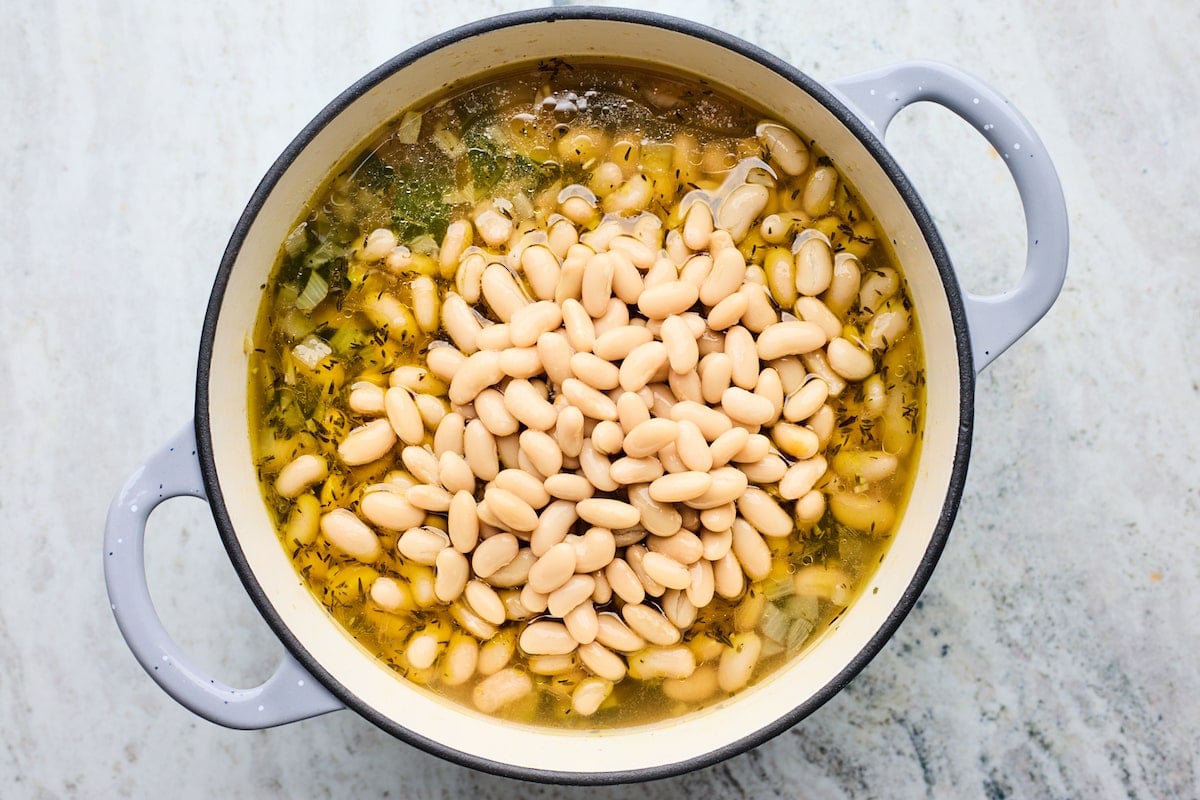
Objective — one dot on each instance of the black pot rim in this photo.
(877, 150)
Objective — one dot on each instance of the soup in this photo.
(586, 396)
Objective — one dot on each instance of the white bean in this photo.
(389, 509)
(479, 449)
(697, 226)
(739, 210)
(452, 571)
(683, 546)
(728, 578)
(378, 244)
(568, 431)
(502, 292)
(425, 303)
(500, 689)
(789, 338)
(589, 695)
(614, 634)
(844, 285)
(608, 513)
(528, 406)
(680, 345)
(553, 568)
(422, 464)
(785, 147)
(760, 510)
(510, 509)
(299, 474)
(423, 545)
(390, 595)
(650, 624)
(590, 401)
(743, 354)
(848, 360)
(485, 602)
(597, 284)
(462, 523)
(801, 477)
(594, 550)
(460, 659)
(547, 638)
(595, 371)
(747, 407)
(618, 343)
(680, 487)
(627, 283)
(674, 297)
(531, 321)
(351, 535)
(818, 195)
(542, 451)
(541, 267)
(602, 661)
(581, 621)
(469, 276)
(751, 550)
(811, 309)
(444, 360)
(494, 337)
(806, 401)
(701, 589)
(367, 443)
(711, 422)
(727, 276)
(493, 227)
(662, 662)
(666, 570)
(422, 650)
(494, 553)
(581, 332)
(478, 372)
(366, 398)
(696, 688)
(727, 312)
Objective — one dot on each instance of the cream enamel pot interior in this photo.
(323, 669)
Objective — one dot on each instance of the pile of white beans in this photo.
(616, 423)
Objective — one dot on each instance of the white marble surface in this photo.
(1054, 651)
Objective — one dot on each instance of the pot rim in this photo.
(915, 206)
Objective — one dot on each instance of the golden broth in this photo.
(354, 305)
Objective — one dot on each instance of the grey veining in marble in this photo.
(1054, 653)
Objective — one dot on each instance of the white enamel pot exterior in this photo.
(323, 668)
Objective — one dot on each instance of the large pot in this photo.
(323, 669)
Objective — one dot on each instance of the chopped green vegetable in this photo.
(418, 206)
(314, 292)
(775, 623)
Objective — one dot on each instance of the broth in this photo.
(507, 253)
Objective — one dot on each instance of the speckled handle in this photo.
(995, 321)
(290, 694)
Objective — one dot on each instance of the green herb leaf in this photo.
(418, 206)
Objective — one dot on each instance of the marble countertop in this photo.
(1054, 651)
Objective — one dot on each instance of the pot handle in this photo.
(994, 321)
(289, 695)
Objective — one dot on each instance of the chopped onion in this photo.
(294, 244)
(798, 633)
(775, 623)
(410, 128)
(314, 292)
(779, 588)
(803, 606)
(311, 351)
